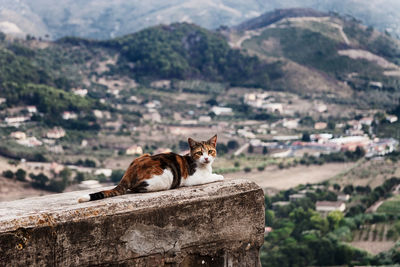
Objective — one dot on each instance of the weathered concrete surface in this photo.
(218, 224)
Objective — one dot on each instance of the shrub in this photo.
(8, 174)
(20, 174)
(79, 177)
(261, 168)
(232, 144)
(247, 169)
(116, 175)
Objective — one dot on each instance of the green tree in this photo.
(306, 137)
(65, 174)
(250, 149)
(336, 187)
(334, 219)
(232, 144)
(116, 175)
(269, 217)
(79, 177)
(39, 180)
(8, 174)
(20, 174)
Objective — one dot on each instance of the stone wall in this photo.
(218, 224)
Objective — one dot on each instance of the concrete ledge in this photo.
(218, 224)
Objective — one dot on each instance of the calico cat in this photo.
(166, 171)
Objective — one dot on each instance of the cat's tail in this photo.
(120, 189)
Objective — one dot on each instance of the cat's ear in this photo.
(213, 141)
(191, 142)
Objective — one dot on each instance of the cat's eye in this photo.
(199, 153)
(210, 151)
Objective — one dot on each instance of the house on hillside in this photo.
(69, 115)
(98, 113)
(105, 172)
(16, 120)
(274, 107)
(2, 100)
(320, 125)
(55, 133)
(290, 123)
(367, 121)
(321, 108)
(165, 84)
(205, 119)
(31, 109)
(18, 135)
(391, 118)
(354, 124)
(343, 197)
(30, 142)
(321, 138)
(221, 110)
(351, 142)
(328, 206)
(134, 150)
(381, 147)
(296, 197)
(80, 92)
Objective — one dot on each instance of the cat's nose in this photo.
(206, 159)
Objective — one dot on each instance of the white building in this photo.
(343, 197)
(205, 119)
(328, 206)
(391, 118)
(55, 133)
(273, 107)
(98, 113)
(221, 110)
(321, 108)
(321, 138)
(16, 120)
(31, 109)
(367, 121)
(30, 142)
(80, 92)
(134, 150)
(290, 124)
(69, 115)
(161, 84)
(320, 125)
(18, 135)
(105, 172)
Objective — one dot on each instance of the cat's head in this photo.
(203, 152)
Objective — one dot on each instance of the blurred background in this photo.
(304, 97)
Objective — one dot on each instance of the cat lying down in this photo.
(166, 171)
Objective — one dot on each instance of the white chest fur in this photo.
(203, 175)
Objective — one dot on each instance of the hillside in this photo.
(338, 55)
(297, 50)
(108, 19)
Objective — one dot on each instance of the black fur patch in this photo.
(192, 164)
(96, 196)
(141, 188)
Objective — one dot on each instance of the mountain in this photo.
(321, 52)
(102, 19)
(307, 52)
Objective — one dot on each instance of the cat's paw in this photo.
(218, 177)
